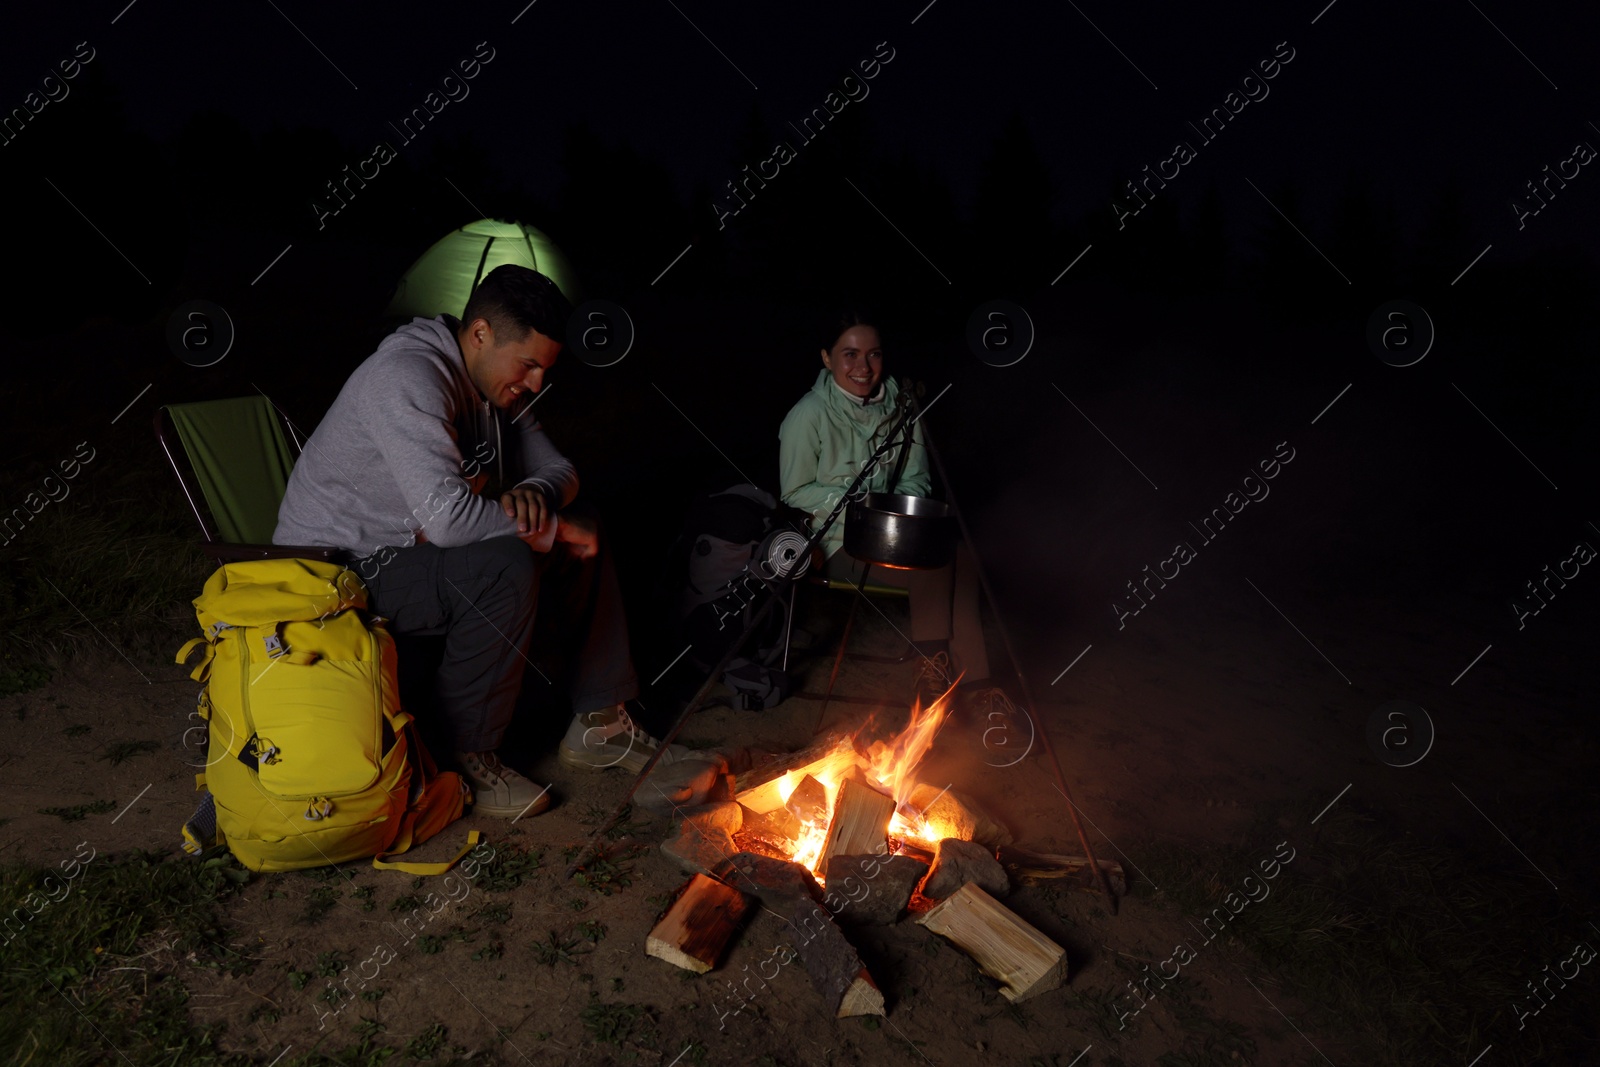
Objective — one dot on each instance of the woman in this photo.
(823, 443)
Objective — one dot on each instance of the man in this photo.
(430, 471)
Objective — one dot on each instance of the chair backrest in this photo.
(239, 462)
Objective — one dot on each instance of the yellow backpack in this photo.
(310, 761)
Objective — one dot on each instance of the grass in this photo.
(610, 1023)
(79, 811)
(103, 974)
(499, 914)
(62, 999)
(122, 751)
(556, 950)
(511, 866)
(123, 566)
(23, 679)
(319, 902)
(605, 874)
(1410, 947)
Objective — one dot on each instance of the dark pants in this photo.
(505, 610)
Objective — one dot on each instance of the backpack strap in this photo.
(199, 673)
(382, 861)
(437, 802)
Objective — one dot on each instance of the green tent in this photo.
(442, 280)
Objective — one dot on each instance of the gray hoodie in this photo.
(411, 452)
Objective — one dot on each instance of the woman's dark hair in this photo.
(845, 320)
(514, 300)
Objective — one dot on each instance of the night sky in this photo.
(1406, 99)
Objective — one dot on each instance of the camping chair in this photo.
(819, 580)
(238, 464)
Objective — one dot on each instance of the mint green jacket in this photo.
(823, 443)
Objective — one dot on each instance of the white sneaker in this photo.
(597, 740)
(498, 790)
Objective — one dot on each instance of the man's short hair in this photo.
(514, 300)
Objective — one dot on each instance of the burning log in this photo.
(836, 971)
(761, 789)
(778, 828)
(1006, 948)
(699, 924)
(808, 802)
(1030, 868)
(952, 814)
(860, 823)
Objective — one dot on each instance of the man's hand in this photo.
(581, 533)
(529, 507)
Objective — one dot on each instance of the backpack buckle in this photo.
(259, 750)
(275, 645)
(318, 808)
(217, 628)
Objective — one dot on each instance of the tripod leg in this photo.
(838, 659)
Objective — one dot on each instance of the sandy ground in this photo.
(1166, 731)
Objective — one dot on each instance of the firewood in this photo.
(761, 789)
(777, 828)
(1005, 947)
(836, 971)
(809, 801)
(860, 825)
(1030, 868)
(699, 924)
(951, 813)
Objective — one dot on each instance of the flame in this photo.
(891, 766)
(813, 834)
(893, 763)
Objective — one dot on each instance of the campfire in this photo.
(843, 834)
(823, 827)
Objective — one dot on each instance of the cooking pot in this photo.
(903, 532)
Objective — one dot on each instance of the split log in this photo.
(1005, 946)
(836, 971)
(953, 814)
(860, 825)
(698, 926)
(777, 828)
(809, 801)
(1031, 868)
(761, 789)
